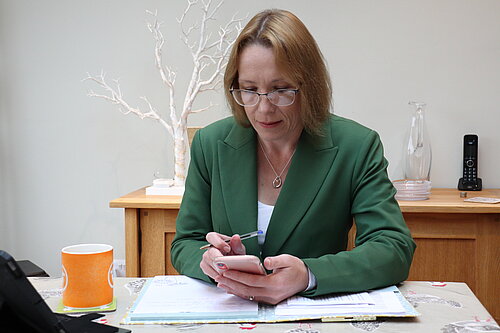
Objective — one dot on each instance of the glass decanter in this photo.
(417, 153)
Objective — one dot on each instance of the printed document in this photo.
(176, 299)
(181, 297)
(378, 302)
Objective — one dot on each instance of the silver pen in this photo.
(242, 237)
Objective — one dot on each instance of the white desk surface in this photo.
(448, 307)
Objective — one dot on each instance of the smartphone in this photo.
(244, 263)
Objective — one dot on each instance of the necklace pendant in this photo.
(277, 182)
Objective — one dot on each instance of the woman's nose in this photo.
(264, 104)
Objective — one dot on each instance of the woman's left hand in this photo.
(289, 276)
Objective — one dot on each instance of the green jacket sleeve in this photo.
(194, 219)
(384, 247)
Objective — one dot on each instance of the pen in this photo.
(242, 237)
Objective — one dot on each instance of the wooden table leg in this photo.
(488, 262)
(157, 232)
(132, 242)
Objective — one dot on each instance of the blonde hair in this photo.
(298, 57)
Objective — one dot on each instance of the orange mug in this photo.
(87, 271)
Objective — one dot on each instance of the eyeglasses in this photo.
(278, 97)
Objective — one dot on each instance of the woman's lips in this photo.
(269, 124)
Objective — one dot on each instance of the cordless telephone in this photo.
(469, 180)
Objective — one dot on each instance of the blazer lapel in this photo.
(237, 155)
(310, 165)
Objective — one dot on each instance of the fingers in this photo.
(230, 281)
(290, 276)
(218, 241)
(281, 261)
(208, 270)
(289, 267)
(219, 247)
(237, 246)
(243, 279)
(206, 263)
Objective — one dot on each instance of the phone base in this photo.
(470, 186)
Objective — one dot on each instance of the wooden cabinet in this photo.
(149, 231)
(456, 240)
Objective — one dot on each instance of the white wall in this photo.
(64, 156)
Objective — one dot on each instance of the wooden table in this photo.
(457, 240)
(449, 307)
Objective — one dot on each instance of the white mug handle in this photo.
(111, 276)
(65, 278)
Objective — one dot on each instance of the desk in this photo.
(457, 240)
(447, 308)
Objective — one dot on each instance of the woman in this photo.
(285, 165)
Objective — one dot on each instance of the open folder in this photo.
(176, 299)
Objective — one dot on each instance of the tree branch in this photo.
(209, 54)
(115, 97)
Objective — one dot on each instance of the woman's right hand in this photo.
(220, 248)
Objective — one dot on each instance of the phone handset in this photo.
(470, 180)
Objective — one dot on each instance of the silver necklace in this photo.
(277, 182)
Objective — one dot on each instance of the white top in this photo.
(263, 219)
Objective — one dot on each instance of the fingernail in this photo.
(227, 248)
(267, 263)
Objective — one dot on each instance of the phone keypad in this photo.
(470, 170)
(470, 175)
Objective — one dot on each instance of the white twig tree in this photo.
(209, 56)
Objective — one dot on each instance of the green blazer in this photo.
(331, 180)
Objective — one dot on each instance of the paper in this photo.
(328, 300)
(181, 297)
(483, 200)
(178, 299)
(379, 302)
